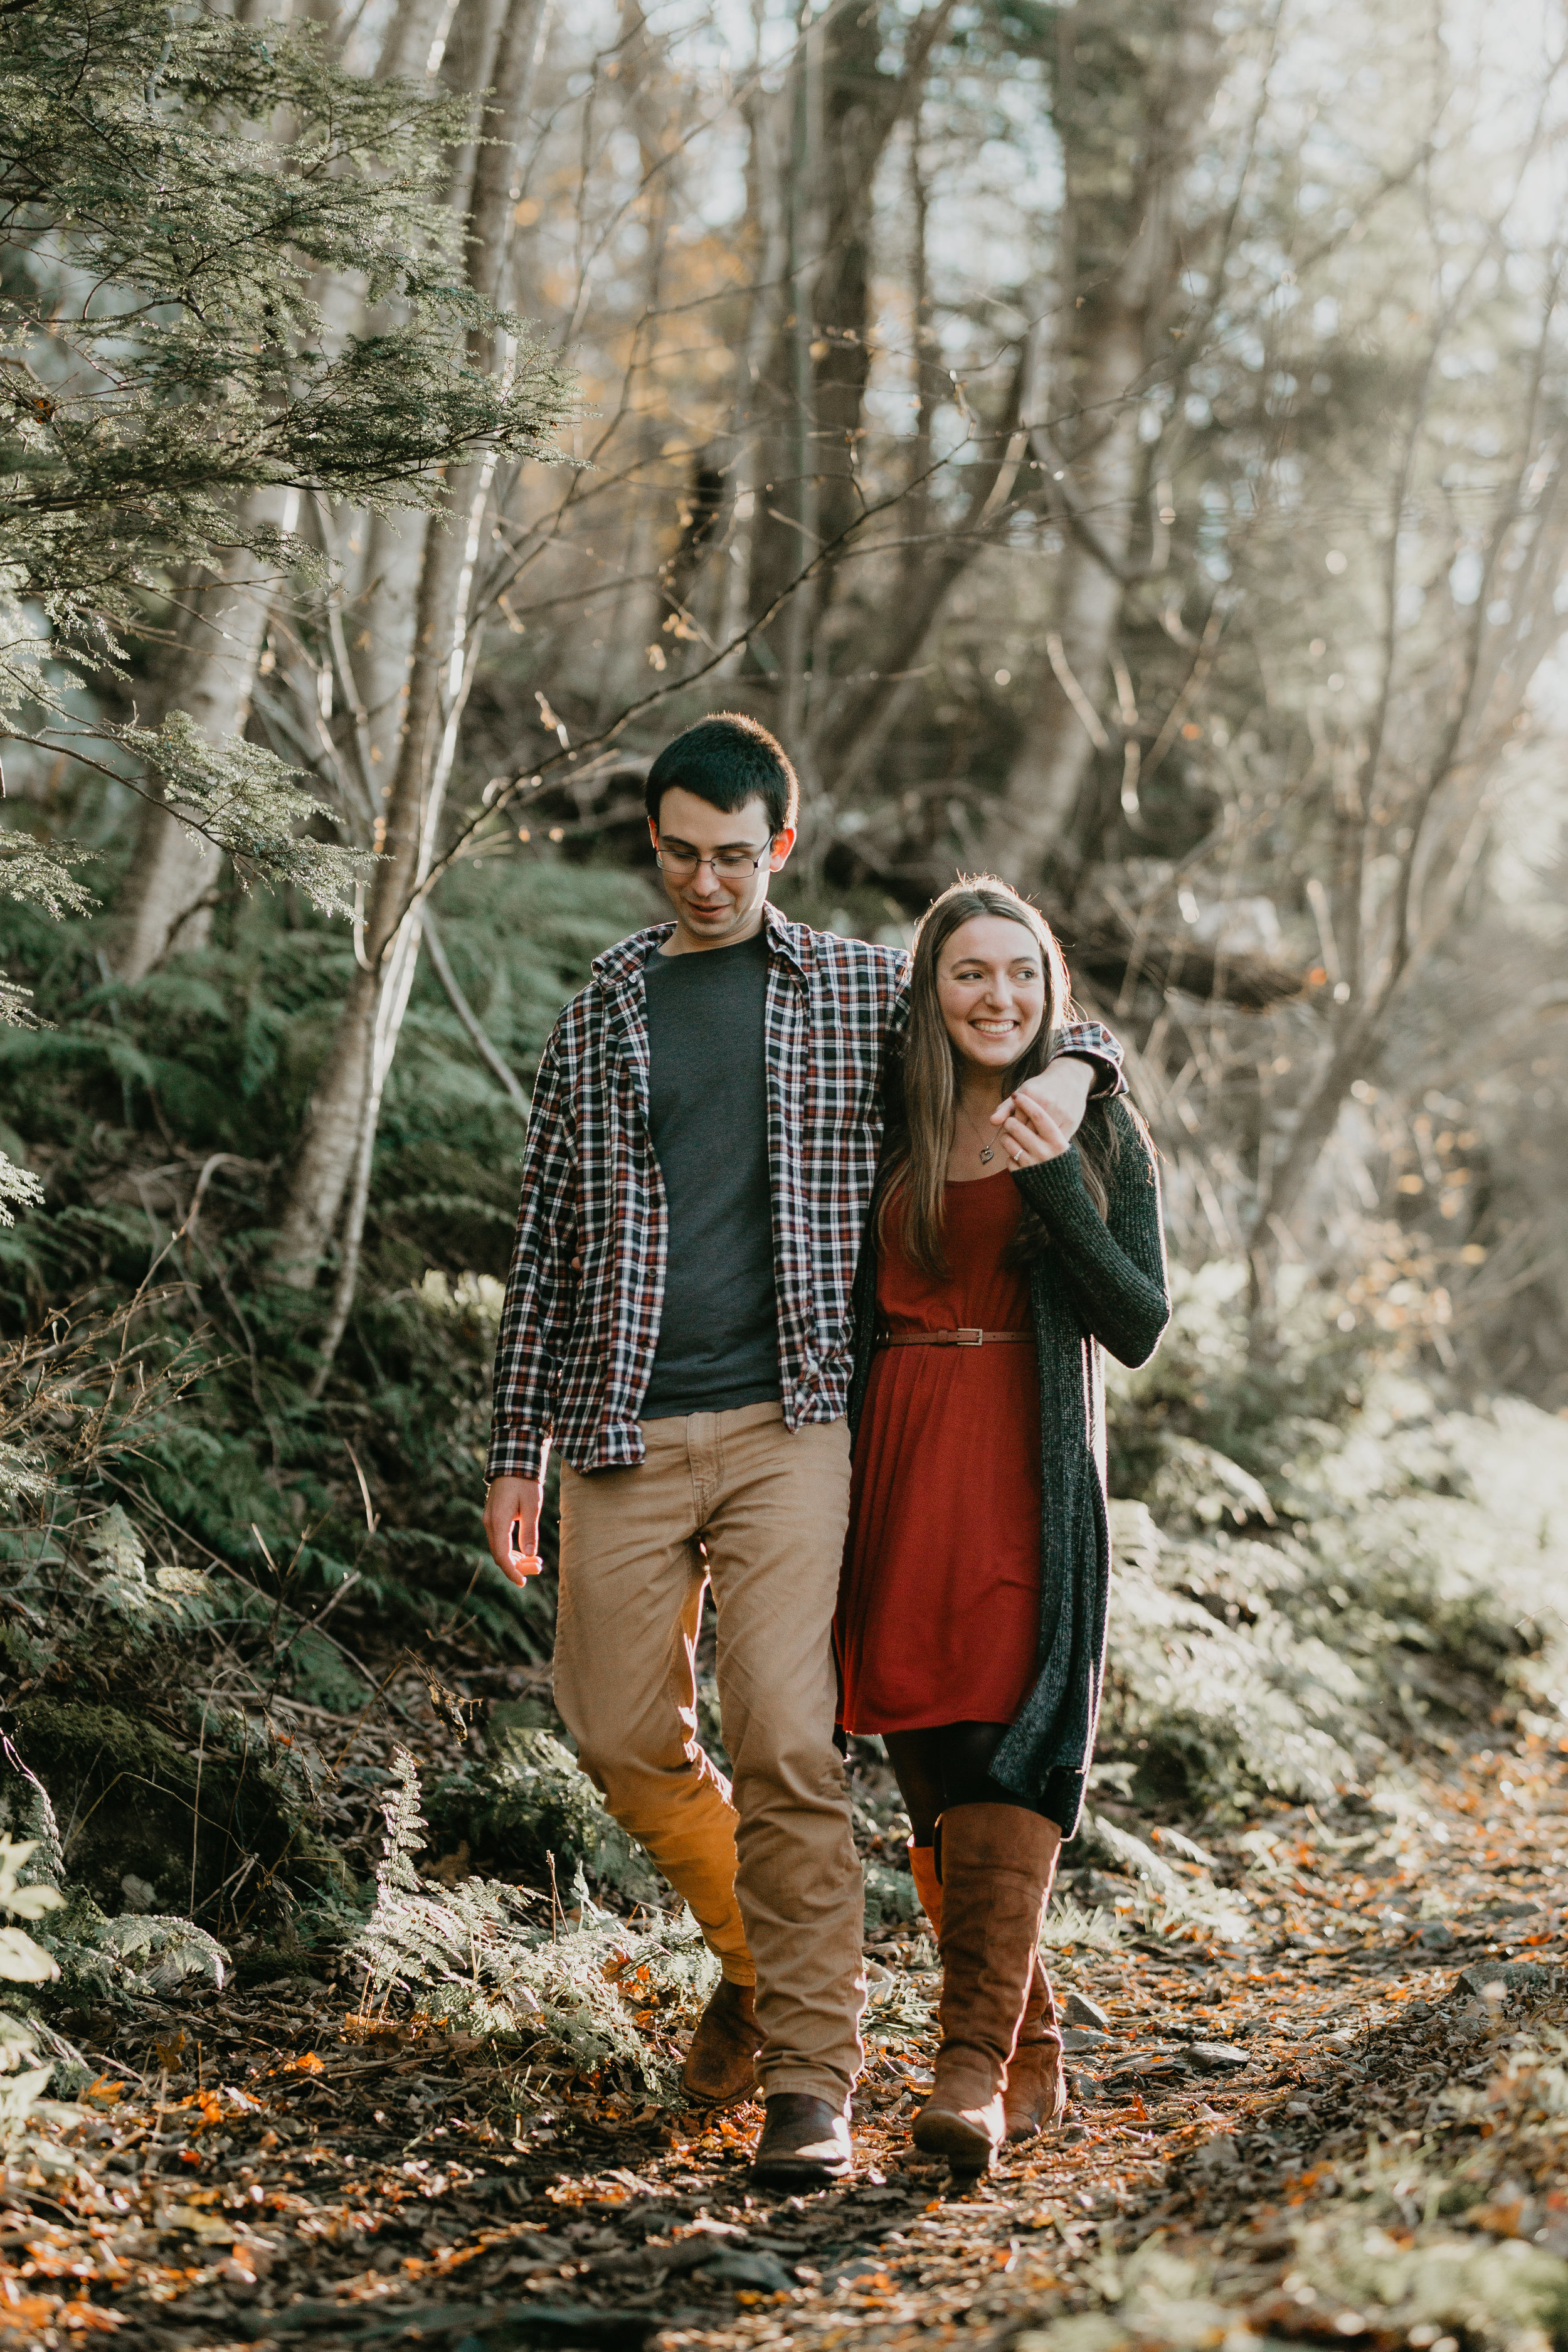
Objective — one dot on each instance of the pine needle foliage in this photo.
(164, 355)
(242, 797)
(19, 1187)
(171, 354)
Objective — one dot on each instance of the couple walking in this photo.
(785, 1194)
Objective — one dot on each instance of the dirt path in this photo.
(1380, 2159)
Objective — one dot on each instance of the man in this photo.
(698, 1173)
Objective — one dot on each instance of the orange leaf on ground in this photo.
(32, 2313)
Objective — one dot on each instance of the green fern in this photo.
(491, 1958)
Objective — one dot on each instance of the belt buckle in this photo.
(966, 1336)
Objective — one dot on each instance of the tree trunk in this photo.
(167, 900)
(1495, 679)
(360, 1055)
(166, 905)
(454, 39)
(1121, 242)
(860, 728)
(382, 637)
(414, 40)
(846, 110)
(340, 1133)
(767, 150)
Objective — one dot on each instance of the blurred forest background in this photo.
(1120, 445)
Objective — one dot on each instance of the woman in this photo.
(971, 1616)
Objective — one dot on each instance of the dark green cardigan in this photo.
(1095, 1281)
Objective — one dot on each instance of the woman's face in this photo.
(991, 986)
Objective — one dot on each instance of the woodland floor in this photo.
(255, 2169)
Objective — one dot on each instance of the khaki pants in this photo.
(769, 1867)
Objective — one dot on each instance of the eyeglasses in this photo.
(728, 865)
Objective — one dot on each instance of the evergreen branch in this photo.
(37, 874)
(237, 795)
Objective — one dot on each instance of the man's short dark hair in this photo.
(728, 760)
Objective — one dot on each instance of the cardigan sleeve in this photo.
(1112, 1268)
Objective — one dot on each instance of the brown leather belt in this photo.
(963, 1338)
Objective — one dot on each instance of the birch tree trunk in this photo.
(383, 634)
(455, 40)
(336, 1156)
(166, 904)
(169, 892)
(416, 39)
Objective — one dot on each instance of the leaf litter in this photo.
(1344, 2130)
(1310, 1948)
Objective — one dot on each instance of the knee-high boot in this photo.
(1036, 2093)
(996, 1866)
(1036, 2075)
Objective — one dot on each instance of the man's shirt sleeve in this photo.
(542, 1287)
(1089, 1041)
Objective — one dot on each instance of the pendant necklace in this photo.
(987, 1151)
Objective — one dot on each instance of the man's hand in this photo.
(1054, 1102)
(511, 1526)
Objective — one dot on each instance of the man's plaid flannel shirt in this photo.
(581, 1319)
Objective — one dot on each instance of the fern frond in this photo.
(483, 1957)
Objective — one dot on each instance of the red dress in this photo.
(939, 1610)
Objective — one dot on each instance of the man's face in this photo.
(715, 868)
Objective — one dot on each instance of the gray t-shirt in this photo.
(707, 1111)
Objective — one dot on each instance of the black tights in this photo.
(948, 1765)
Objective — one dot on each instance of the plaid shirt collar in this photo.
(792, 942)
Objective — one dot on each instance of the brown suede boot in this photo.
(1037, 2092)
(720, 2066)
(996, 1867)
(1036, 2096)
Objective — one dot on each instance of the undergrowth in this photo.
(213, 1584)
(1289, 1623)
(487, 1958)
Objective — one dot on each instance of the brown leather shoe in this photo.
(804, 2142)
(1037, 2093)
(996, 1866)
(720, 2066)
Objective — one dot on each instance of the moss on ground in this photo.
(133, 1804)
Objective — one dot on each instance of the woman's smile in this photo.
(991, 986)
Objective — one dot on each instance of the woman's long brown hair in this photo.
(925, 1077)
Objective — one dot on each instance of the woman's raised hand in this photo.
(1041, 1119)
(1035, 1131)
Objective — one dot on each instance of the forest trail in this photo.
(1352, 2130)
